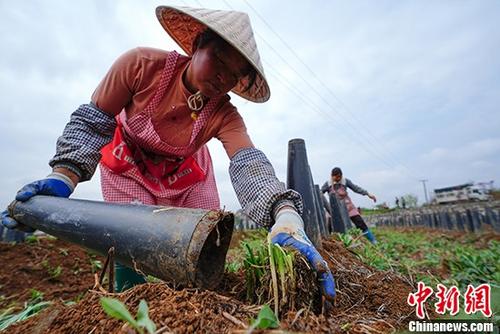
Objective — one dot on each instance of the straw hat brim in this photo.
(183, 24)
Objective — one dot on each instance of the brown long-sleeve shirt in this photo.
(131, 83)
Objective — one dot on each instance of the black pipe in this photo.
(299, 179)
(337, 220)
(184, 246)
(320, 211)
(344, 214)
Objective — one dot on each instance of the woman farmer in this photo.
(150, 118)
(338, 187)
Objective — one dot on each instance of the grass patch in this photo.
(432, 259)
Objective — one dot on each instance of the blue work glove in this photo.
(288, 231)
(55, 184)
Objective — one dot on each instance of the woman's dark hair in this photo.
(207, 36)
(336, 171)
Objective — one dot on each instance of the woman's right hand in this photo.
(288, 230)
(55, 184)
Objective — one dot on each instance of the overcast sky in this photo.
(390, 91)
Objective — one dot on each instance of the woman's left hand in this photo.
(373, 197)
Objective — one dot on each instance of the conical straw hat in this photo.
(183, 24)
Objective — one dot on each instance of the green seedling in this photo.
(265, 319)
(346, 239)
(232, 267)
(32, 239)
(54, 273)
(351, 238)
(116, 309)
(7, 318)
(254, 265)
(96, 265)
(269, 271)
(414, 254)
(281, 264)
(36, 295)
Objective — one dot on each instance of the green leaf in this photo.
(143, 319)
(266, 319)
(116, 309)
(36, 295)
(7, 318)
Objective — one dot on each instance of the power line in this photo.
(356, 133)
(325, 86)
(318, 109)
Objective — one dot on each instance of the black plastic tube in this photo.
(337, 220)
(184, 246)
(299, 179)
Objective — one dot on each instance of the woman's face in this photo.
(337, 177)
(215, 69)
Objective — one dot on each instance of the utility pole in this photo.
(425, 190)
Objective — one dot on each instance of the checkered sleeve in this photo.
(259, 191)
(78, 149)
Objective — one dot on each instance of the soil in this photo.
(368, 300)
(59, 270)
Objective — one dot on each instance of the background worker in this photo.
(338, 186)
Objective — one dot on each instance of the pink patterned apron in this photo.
(183, 178)
(340, 191)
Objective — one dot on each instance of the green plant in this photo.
(346, 239)
(95, 264)
(281, 264)
(254, 266)
(265, 319)
(350, 238)
(36, 295)
(32, 239)
(7, 318)
(54, 272)
(232, 267)
(116, 309)
(470, 266)
(434, 258)
(269, 270)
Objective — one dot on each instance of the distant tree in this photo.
(411, 200)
